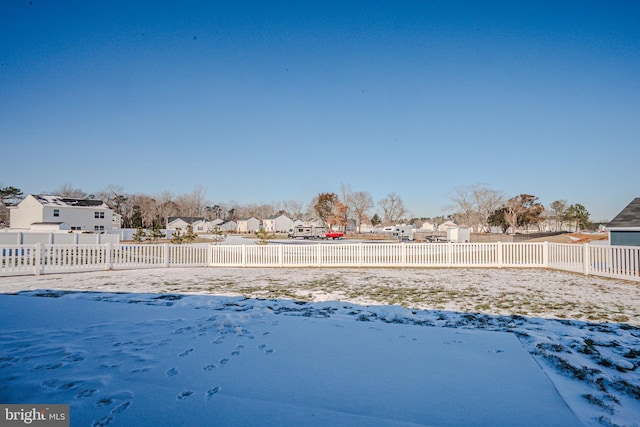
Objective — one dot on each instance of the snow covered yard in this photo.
(357, 346)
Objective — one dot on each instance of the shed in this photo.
(624, 229)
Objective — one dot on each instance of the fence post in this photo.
(318, 255)
(281, 255)
(210, 255)
(403, 254)
(37, 262)
(108, 265)
(499, 254)
(449, 254)
(244, 255)
(360, 254)
(166, 255)
(585, 257)
(545, 254)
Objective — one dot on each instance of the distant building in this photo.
(54, 213)
(248, 225)
(181, 222)
(624, 229)
(277, 224)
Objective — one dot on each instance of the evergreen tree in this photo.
(189, 235)
(140, 235)
(579, 215)
(263, 236)
(178, 237)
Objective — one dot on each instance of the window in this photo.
(56, 212)
(99, 215)
(98, 228)
(76, 228)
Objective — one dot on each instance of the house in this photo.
(248, 225)
(181, 222)
(228, 226)
(446, 225)
(199, 226)
(61, 213)
(277, 224)
(624, 229)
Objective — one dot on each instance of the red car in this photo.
(334, 235)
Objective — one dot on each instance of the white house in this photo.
(277, 224)
(248, 225)
(37, 211)
(181, 222)
(228, 226)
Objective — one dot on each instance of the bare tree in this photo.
(165, 207)
(192, 204)
(558, 209)
(474, 205)
(361, 204)
(344, 206)
(293, 208)
(68, 190)
(393, 209)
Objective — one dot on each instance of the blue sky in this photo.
(269, 101)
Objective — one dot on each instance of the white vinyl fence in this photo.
(611, 261)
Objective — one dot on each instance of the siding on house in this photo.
(79, 214)
(624, 229)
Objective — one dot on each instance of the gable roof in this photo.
(187, 219)
(69, 202)
(628, 217)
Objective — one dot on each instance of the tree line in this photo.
(478, 207)
(482, 208)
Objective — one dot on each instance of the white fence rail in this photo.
(611, 261)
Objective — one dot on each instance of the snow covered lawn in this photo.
(323, 347)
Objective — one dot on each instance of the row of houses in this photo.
(56, 213)
(273, 224)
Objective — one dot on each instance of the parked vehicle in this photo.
(334, 235)
(307, 232)
(402, 233)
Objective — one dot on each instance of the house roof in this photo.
(69, 202)
(187, 219)
(628, 217)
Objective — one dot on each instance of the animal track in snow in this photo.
(171, 372)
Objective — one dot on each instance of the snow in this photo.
(211, 346)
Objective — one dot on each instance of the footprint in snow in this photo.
(185, 394)
(86, 393)
(210, 367)
(263, 348)
(185, 353)
(171, 372)
(102, 422)
(209, 394)
(121, 408)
